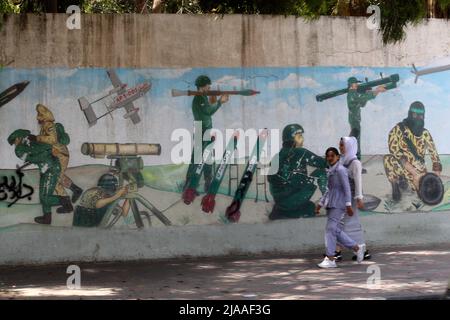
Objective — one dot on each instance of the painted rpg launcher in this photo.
(179, 93)
(428, 71)
(208, 201)
(232, 213)
(389, 82)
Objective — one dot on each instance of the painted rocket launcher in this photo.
(233, 213)
(390, 82)
(208, 201)
(180, 93)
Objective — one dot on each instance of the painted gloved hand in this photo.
(32, 138)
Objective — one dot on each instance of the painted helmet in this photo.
(19, 133)
(290, 131)
(109, 183)
(202, 81)
(352, 80)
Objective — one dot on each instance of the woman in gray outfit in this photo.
(348, 146)
(337, 201)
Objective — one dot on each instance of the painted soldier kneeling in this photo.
(95, 202)
(292, 187)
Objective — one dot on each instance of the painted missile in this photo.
(428, 70)
(208, 201)
(232, 212)
(12, 92)
(246, 92)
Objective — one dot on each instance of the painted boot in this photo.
(66, 205)
(76, 192)
(45, 219)
(396, 193)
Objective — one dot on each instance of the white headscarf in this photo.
(351, 149)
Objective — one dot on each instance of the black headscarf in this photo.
(413, 123)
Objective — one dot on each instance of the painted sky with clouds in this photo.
(287, 96)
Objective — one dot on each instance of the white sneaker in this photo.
(360, 253)
(327, 263)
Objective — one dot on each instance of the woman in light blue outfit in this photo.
(337, 201)
(351, 225)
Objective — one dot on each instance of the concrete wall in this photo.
(23, 246)
(161, 40)
(289, 60)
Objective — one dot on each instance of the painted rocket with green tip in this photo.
(208, 201)
(232, 213)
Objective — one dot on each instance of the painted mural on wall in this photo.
(93, 147)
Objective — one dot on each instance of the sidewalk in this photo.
(405, 272)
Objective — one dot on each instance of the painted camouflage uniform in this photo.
(401, 152)
(86, 213)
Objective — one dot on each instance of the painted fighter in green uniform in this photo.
(203, 109)
(356, 101)
(41, 155)
(292, 187)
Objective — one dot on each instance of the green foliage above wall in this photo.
(396, 15)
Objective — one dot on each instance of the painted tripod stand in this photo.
(134, 198)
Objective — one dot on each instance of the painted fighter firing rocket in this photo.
(12, 92)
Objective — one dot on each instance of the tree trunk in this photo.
(157, 6)
(431, 9)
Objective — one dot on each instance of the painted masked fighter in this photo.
(356, 101)
(54, 135)
(292, 187)
(408, 143)
(203, 109)
(41, 155)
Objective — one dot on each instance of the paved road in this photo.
(404, 272)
